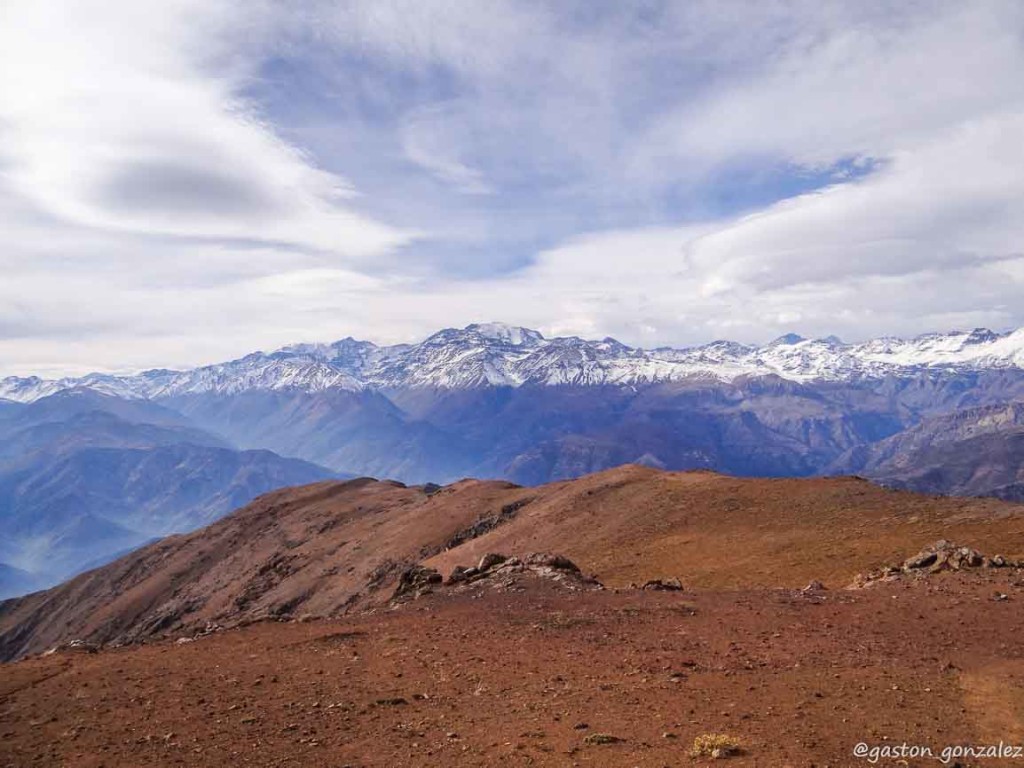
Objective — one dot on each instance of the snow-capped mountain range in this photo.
(495, 354)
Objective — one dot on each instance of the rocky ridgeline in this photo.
(941, 556)
(497, 572)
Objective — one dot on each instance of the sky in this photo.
(186, 181)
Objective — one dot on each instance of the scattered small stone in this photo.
(490, 560)
(395, 701)
(602, 738)
(663, 585)
(556, 562)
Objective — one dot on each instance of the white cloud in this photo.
(866, 87)
(431, 139)
(946, 204)
(126, 117)
(153, 214)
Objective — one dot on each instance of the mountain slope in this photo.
(986, 465)
(535, 434)
(329, 548)
(312, 549)
(361, 431)
(760, 427)
(970, 452)
(81, 481)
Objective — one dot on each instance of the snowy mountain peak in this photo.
(507, 334)
(496, 354)
(980, 336)
(788, 340)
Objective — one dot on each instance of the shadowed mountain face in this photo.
(334, 428)
(760, 426)
(970, 452)
(328, 548)
(85, 477)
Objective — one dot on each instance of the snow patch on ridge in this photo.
(495, 354)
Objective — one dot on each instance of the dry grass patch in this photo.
(715, 745)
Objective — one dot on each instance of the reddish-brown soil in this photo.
(521, 670)
(632, 524)
(331, 548)
(524, 677)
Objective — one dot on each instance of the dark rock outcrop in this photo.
(416, 581)
(662, 585)
(501, 572)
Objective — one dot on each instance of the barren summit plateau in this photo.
(374, 624)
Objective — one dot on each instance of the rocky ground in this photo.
(533, 664)
(630, 618)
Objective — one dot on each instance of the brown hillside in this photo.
(329, 548)
(713, 531)
(316, 549)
